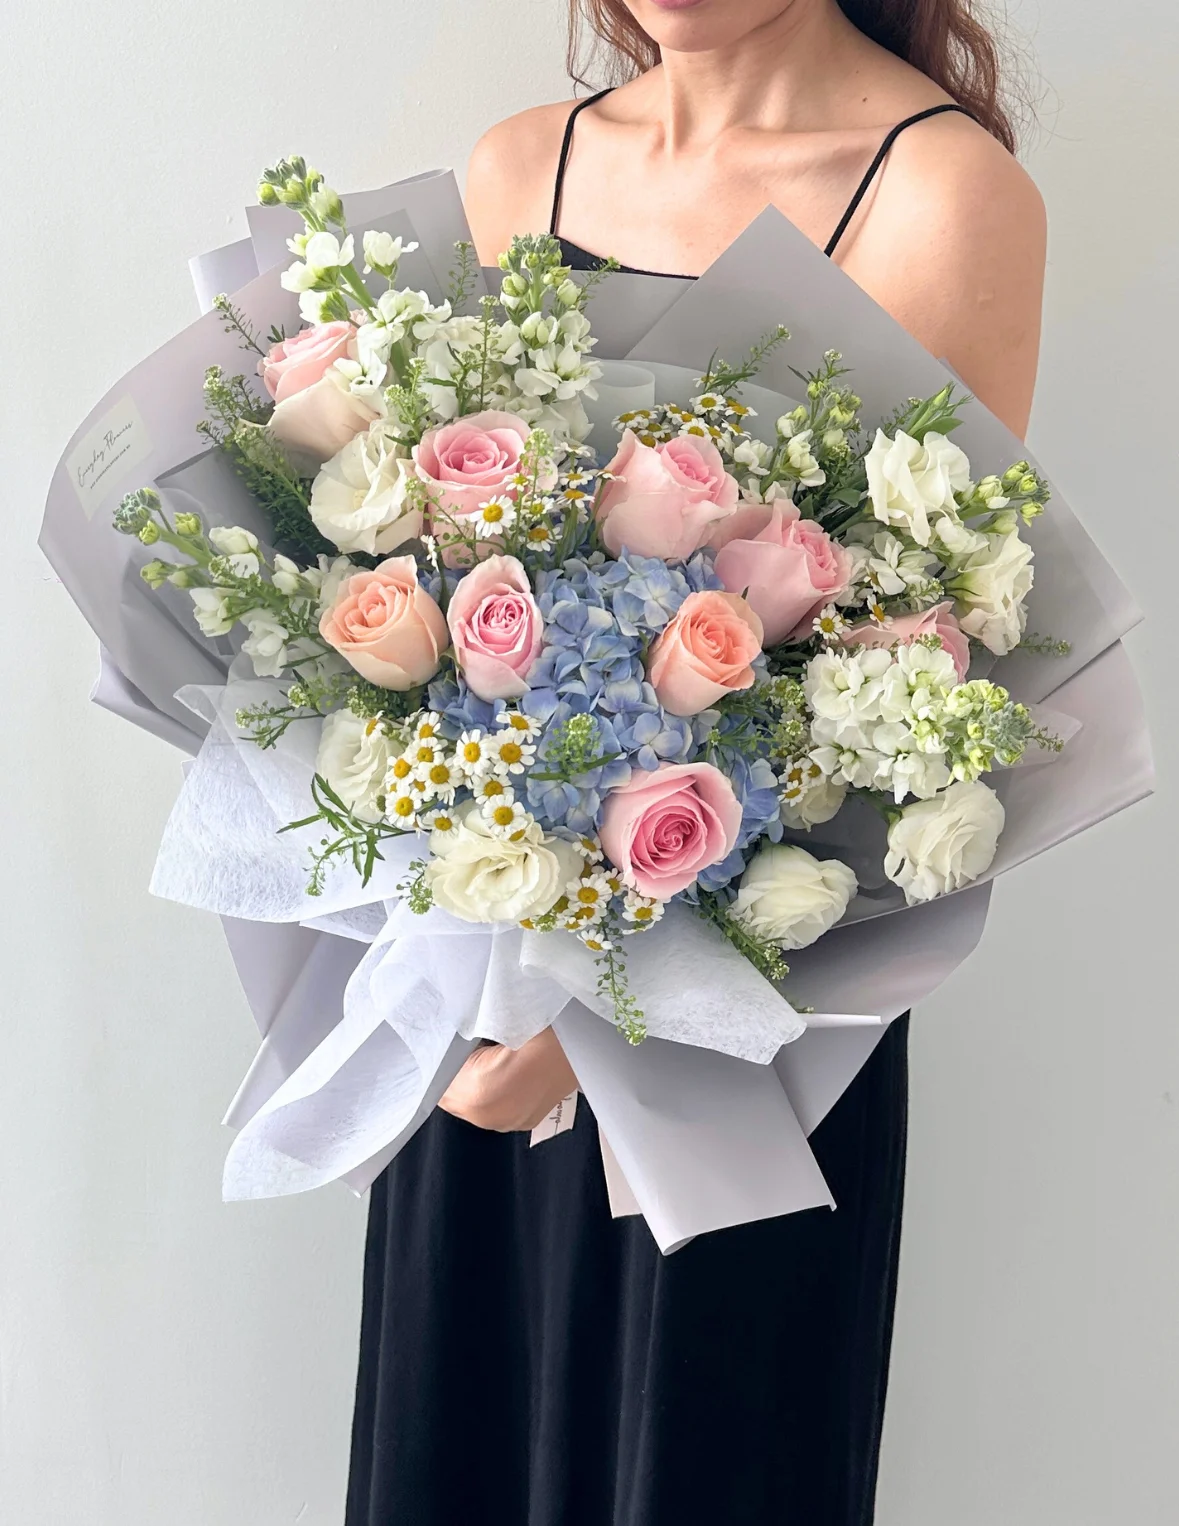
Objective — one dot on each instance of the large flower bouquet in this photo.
(590, 684)
(539, 673)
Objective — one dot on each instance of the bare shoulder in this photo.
(953, 244)
(510, 176)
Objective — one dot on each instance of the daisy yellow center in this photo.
(403, 806)
(440, 774)
(511, 752)
(401, 768)
(595, 945)
(643, 913)
(472, 752)
(426, 730)
(503, 815)
(493, 787)
(425, 754)
(518, 722)
(573, 494)
(539, 534)
(443, 823)
(493, 513)
(588, 896)
(371, 727)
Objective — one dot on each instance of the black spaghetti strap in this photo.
(881, 154)
(566, 141)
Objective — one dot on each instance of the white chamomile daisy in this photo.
(595, 942)
(524, 727)
(509, 753)
(539, 537)
(440, 819)
(428, 726)
(506, 818)
(641, 910)
(402, 810)
(799, 776)
(590, 849)
(492, 788)
(590, 896)
(398, 774)
(494, 517)
(470, 753)
(424, 751)
(441, 778)
(829, 624)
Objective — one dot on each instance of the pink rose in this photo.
(386, 625)
(938, 621)
(467, 462)
(299, 362)
(496, 628)
(665, 497)
(664, 827)
(705, 652)
(787, 570)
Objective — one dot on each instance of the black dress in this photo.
(526, 1360)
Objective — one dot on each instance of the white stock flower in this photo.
(479, 876)
(989, 589)
(238, 546)
(266, 645)
(908, 482)
(359, 498)
(324, 251)
(354, 757)
(382, 251)
(209, 606)
(941, 844)
(791, 898)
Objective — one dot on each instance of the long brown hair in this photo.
(943, 38)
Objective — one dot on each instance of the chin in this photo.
(694, 26)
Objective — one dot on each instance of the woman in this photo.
(525, 1359)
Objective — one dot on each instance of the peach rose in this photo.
(496, 627)
(938, 621)
(467, 462)
(386, 625)
(705, 652)
(299, 362)
(665, 498)
(312, 425)
(662, 828)
(787, 570)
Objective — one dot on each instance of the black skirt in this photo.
(525, 1360)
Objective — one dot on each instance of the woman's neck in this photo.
(790, 75)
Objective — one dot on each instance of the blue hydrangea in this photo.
(576, 805)
(757, 791)
(646, 592)
(459, 708)
(648, 732)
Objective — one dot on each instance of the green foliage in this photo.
(418, 895)
(572, 748)
(766, 957)
(355, 840)
(461, 282)
(614, 988)
(236, 424)
(723, 378)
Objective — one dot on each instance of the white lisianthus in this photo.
(359, 499)
(791, 898)
(941, 844)
(989, 589)
(266, 645)
(354, 756)
(210, 607)
(909, 482)
(479, 876)
(238, 546)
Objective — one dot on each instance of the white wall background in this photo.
(166, 1358)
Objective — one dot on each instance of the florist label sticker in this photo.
(560, 1119)
(104, 455)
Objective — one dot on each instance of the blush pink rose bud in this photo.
(662, 828)
(315, 413)
(705, 652)
(665, 498)
(787, 570)
(496, 628)
(471, 460)
(938, 621)
(386, 626)
(299, 362)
